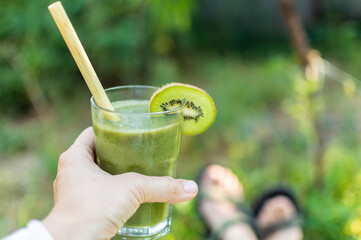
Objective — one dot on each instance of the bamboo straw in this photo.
(72, 41)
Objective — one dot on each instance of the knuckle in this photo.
(135, 180)
(54, 184)
(130, 180)
(58, 178)
(62, 160)
(82, 149)
(90, 128)
(136, 185)
(132, 177)
(75, 151)
(172, 187)
(61, 175)
(54, 190)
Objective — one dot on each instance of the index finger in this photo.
(86, 138)
(82, 150)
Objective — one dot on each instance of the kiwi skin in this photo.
(179, 85)
(194, 131)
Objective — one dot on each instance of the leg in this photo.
(276, 210)
(223, 189)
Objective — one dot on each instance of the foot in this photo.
(275, 210)
(223, 189)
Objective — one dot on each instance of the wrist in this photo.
(62, 225)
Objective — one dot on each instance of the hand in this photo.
(92, 204)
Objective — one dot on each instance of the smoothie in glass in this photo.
(139, 141)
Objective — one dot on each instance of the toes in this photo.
(236, 186)
(218, 176)
(217, 173)
(212, 175)
(275, 210)
(232, 184)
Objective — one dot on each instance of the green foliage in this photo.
(262, 131)
(120, 37)
(171, 15)
(269, 139)
(15, 138)
(257, 136)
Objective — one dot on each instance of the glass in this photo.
(138, 141)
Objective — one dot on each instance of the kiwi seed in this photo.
(198, 112)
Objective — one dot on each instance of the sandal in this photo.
(216, 193)
(295, 220)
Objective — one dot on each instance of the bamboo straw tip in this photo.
(54, 4)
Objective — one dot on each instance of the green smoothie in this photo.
(139, 143)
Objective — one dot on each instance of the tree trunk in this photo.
(308, 60)
(296, 30)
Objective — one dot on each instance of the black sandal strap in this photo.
(240, 218)
(206, 194)
(265, 232)
(245, 209)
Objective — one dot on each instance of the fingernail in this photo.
(190, 186)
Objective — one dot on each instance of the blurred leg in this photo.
(275, 210)
(224, 189)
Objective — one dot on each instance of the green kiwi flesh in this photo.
(199, 111)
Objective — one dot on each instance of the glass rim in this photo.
(171, 111)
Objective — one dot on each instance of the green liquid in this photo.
(142, 145)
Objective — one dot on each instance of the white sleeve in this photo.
(34, 230)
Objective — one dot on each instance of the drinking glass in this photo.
(131, 139)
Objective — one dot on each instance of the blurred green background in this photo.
(237, 50)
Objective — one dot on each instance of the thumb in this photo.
(165, 189)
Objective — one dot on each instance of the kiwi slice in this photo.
(199, 111)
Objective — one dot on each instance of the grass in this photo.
(261, 133)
